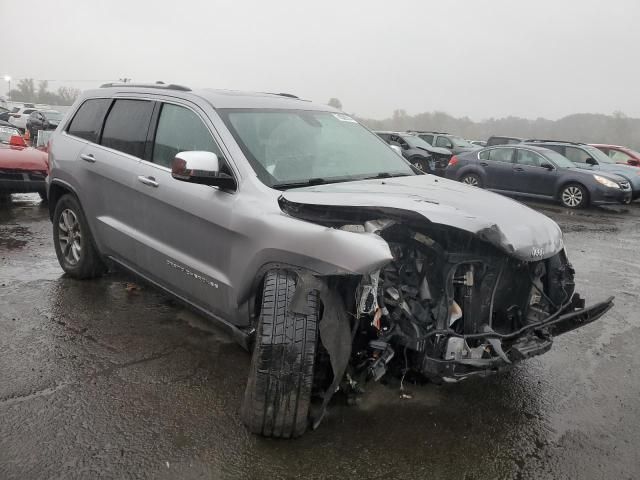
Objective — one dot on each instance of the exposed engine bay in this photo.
(450, 305)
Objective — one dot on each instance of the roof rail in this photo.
(161, 85)
(541, 140)
(428, 131)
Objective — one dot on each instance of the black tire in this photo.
(471, 179)
(88, 263)
(574, 195)
(420, 163)
(278, 394)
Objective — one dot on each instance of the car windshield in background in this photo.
(599, 155)
(417, 142)
(460, 142)
(6, 134)
(53, 115)
(560, 160)
(288, 147)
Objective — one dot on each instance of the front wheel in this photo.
(278, 394)
(73, 242)
(574, 195)
(420, 164)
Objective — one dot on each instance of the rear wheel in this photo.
(472, 180)
(73, 242)
(278, 394)
(574, 195)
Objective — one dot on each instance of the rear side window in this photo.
(127, 126)
(484, 155)
(28, 111)
(87, 121)
(180, 130)
(501, 155)
(427, 138)
(443, 142)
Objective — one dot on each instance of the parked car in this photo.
(480, 143)
(622, 155)
(454, 143)
(4, 114)
(19, 117)
(590, 158)
(42, 120)
(538, 173)
(502, 140)
(421, 155)
(313, 242)
(22, 169)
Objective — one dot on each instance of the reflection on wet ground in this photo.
(97, 379)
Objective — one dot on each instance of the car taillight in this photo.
(453, 161)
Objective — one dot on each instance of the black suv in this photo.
(421, 155)
(502, 140)
(446, 140)
(539, 173)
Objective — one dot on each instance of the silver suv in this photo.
(319, 247)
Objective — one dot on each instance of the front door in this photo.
(529, 176)
(189, 227)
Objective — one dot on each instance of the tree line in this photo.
(617, 129)
(26, 91)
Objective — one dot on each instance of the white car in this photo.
(19, 117)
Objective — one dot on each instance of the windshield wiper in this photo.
(305, 183)
(385, 175)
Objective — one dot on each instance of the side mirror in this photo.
(396, 149)
(591, 161)
(201, 167)
(17, 141)
(546, 165)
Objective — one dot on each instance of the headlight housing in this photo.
(606, 182)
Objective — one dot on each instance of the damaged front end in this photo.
(450, 304)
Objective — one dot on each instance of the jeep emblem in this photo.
(537, 252)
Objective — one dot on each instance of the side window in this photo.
(28, 111)
(127, 125)
(618, 156)
(427, 138)
(576, 155)
(484, 155)
(501, 155)
(384, 136)
(443, 142)
(180, 130)
(527, 157)
(87, 121)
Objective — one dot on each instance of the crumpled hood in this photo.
(440, 150)
(505, 223)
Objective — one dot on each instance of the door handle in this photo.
(88, 157)
(149, 181)
(484, 164)
(519, 169)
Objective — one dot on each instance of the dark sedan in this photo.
(42, 120)
(539, 173)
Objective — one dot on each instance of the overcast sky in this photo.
(480, 58)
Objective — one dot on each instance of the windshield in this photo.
(599, 155)
(416, 142)
(6, 133)
(460, 142)
(53, 115)
(296, 146)
(560, 160)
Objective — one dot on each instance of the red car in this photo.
(22, 168)
(620, 154)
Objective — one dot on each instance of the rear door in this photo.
(113, 167)
(189, 227)
(529, 176)
(497, 165)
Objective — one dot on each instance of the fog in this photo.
(476, 58)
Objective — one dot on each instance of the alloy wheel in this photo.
(572, 196)
(70, 236)
(472, 181)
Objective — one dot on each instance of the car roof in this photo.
(535, 148)
(218, 98)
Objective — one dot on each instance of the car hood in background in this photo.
(439, 150)
(505, 223)
(23, 158)
(627, 171)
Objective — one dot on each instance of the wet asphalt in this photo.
(107, 379)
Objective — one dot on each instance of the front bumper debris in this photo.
(530, 341)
